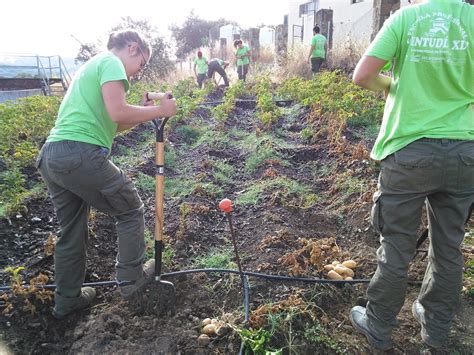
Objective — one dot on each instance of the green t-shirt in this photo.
(318, 41)
(242, 51)
(432, 90)
(219, 61)
(82, 115)
(201, 64)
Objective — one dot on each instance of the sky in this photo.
(49, 27)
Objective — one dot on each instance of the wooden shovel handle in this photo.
(159, 190)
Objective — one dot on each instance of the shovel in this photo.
(166, 290)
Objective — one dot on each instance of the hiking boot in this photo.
(130, 290)
(419, 314)
(358, 319)
(82, 301)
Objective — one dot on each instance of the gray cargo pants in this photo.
(79, 175)
(441, 172)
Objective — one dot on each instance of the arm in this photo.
(367, 74)
(310, 52)
(195, 73)
(326, 49)
(126, 115)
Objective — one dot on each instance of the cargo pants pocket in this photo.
(122, 199)
(466, 169)
(375, 214)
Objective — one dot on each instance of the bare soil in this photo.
(267, 233)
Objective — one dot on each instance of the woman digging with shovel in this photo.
(75, 167)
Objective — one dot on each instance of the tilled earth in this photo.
(271, 235)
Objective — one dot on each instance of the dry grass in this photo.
(295, 63)
(346, 54)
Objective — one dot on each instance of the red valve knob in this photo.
(226, 205)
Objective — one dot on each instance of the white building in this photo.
(350, 18)
(267, 37)
(228, 32)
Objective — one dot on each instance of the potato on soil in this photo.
(206, 322)
(334, 275)
(203, 340)
(329, 267)
(351, 264)
(209, 329)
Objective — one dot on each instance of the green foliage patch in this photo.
(25, 125)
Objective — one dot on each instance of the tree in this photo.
(194, 33)
(160, 63)
(86, 52)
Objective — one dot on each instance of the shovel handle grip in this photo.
(158, 95)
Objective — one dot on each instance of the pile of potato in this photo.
(211, 327)
(341, 271)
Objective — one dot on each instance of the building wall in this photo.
(350, 19)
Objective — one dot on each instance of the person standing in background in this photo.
(318, 51)
(242, 54)
(426, 149)
(200, 68)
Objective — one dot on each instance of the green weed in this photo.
(286, 191)
(145, 182)
(222, 172)
(179, 187)
(317, 334)
(217, 258)
(189, 133)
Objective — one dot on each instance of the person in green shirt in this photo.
(318, 50)
(74, 165)
(217, 65)
(242, 54)
(200, 68)
(426, 148)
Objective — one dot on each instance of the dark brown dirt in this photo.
(266, 233)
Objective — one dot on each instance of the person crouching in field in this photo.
(426, 149)
(242, 54)
(78, 174)
(218, 65)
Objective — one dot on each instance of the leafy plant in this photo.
(25, 125)
(268, 111)
(256, 342)
(25, 298)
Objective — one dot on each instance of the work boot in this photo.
(419, 314)
(358, 319)
(64, 308)
(128, 291)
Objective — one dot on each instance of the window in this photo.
(308, 8)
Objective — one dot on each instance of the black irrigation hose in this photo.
(229, 271)
(241, 101)
(214, 270)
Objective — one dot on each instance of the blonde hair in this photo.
(120, 39)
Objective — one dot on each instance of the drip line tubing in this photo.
(216, 270)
